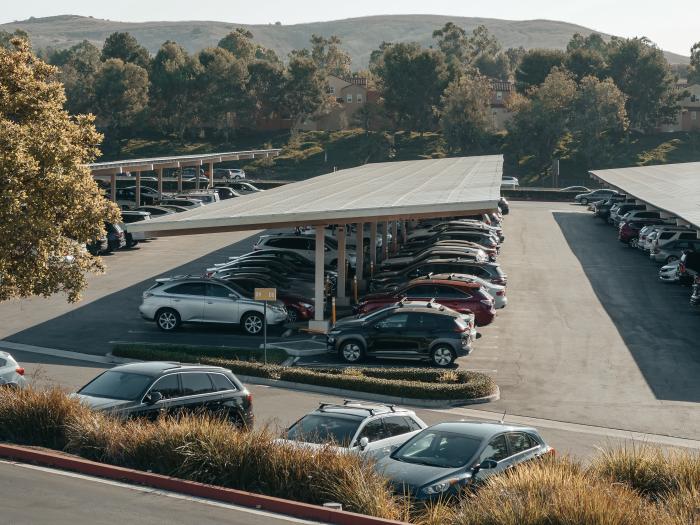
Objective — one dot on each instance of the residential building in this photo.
(350, 95)
(688, 118)
(501, 92)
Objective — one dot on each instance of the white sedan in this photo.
(509, 182)
(10, 372)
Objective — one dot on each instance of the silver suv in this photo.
(173, 301)
(366, 428)
(304, 245)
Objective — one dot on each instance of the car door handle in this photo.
(176, 300)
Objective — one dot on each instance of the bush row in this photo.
(414, 383)
(274, 355)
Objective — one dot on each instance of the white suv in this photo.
(304, 245)
(365, 428)
(173, 301)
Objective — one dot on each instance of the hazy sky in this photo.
(672, 24)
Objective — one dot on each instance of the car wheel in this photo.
(168, 319)
(252, 323)
(584, 201)
(442, 356)
(634, 243)
(292, 315)
(671, 258)
(351, 351)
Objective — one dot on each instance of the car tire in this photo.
(252, 323)
(351, 351)
(168, 320)
(442, 356)
(584, 201)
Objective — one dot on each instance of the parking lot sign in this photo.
(266, 294)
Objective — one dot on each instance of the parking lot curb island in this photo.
(191, 488)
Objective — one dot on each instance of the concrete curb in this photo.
(191, 488)
(379, 398)
(76, 356)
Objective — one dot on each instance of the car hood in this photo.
(103, 403)
(411, 475)
(349, 322)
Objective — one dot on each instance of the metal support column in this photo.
(113, 184)
(372, 245)
(138, 189)
(404, 231)
(179, 181)
(360, 252)
(395, 236)
(211, 174)
(160, 182)
(342, 266)
(385, 241)
(319, 273)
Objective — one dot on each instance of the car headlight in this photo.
(441, 486)
(306, 305)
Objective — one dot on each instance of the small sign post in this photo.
(265, 295)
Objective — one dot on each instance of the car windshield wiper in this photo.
(417, 462)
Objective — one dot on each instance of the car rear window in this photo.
(324, 428)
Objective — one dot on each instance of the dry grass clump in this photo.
(553, 493)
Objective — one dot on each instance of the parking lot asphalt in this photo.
(589, 336)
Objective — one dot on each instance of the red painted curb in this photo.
(191, 488)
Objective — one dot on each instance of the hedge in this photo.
(417, 383)
(189, 352)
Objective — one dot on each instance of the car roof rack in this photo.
(348, 402)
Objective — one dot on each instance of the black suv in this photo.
(406, 330)
(151, 388)
(391, 280)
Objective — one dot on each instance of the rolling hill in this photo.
(359, 35)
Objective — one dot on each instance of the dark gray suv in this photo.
(153, 388)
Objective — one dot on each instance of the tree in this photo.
(412, 81)
(240, 44)
(304, 92)
(126, 48)
(173, 89)
(641, 71)
(465, 116)
(535, 66)
(599, 119)
(694, 68)
(329, 56)
(121, 93)
(266, 87)
(542, 121)
(452, 41)
(592, 42)
(583, 62)
(78, 68)
(223, 95)
(7, 38)
(494, 66)
(49, 203)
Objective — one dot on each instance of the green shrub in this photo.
(151, 352)
(418, 383)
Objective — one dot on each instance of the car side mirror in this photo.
(364, 442)
(232, 296)
(486, 464)
(152, 398)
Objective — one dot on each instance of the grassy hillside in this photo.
(360, 35)
(315, 153)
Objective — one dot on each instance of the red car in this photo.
(628, 232)
(465, 297)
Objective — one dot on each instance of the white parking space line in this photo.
(77, 356)
(159, 492)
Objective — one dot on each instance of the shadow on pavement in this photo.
(655, 320)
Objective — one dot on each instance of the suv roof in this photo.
(357, 408)
(155, 368)
(444, 278)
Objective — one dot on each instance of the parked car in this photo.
(461, 296)
(173, 207)
(205, 197)
(176, 300)
(353, 426)
(98, 246)
(581, 189)
(156, 211)
(443, 459)
(244, 188)
(11, 373)
(126, 198)
(225, 192)
(391, 280)
(504, 206)
(129, 217)
(434, 252)
(485, 240)
(497, 291)
(586, 197)
(152, 388)
(116, 238)
(429, 332)
(628, 232)
(635, 215)
(182, 202)
(689, 267)
(304, 245)
(674, 250)
(669, 272)
(670, 234)
(620, 209)
(228, 174)
(458, 225)
(509, 182)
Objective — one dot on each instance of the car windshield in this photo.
(325, 428)
(438, 448)
(117, 385)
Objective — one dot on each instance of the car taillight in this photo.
(19, 370)
(501, 292)
(681, 268)
(249, 399)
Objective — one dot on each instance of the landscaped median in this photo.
(423, 386)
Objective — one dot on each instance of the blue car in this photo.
(441, 460)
